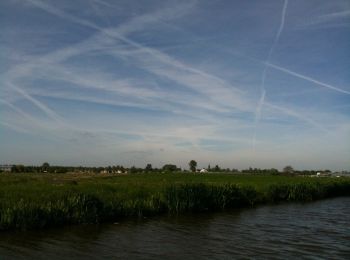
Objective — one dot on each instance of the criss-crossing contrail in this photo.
(37, 103)
(263, 77)
(307, 78)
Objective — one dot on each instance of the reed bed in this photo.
(31, 201)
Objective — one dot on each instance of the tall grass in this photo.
(201, 197)
(307, 191)
(37, 201)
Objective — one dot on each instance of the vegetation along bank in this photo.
(32, 201)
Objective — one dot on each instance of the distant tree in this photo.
(208, 168)
(170, 167)
(193, 165)
(18, 168)
(133, 169)
(288, 169)
(13, 168)
(45, 167)
(217, 168)
(148, 167)
(273, 171)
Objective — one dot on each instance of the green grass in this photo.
(29, 201)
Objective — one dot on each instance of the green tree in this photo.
(133, 169)
(169, 167)
(45, 167)
(288, 169)
(274, 171)
(193, 165)
(18, 168)
(217, 168)
(149, 167)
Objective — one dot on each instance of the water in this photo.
(318, 230)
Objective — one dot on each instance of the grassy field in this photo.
(41, 200)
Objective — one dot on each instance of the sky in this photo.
(237, 83)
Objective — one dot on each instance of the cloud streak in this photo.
(263, 77)
(211, 86)
(329, 20)
(49, 112)
(156, 80)
(158, 63)
(322, 84)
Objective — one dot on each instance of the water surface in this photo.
(313, 230)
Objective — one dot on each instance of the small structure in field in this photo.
(5, 168)
(323, 174)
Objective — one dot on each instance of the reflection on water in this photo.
(318, 229)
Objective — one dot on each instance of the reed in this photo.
(37, 201)
(202, 197)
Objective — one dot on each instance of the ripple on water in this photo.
(312, 230)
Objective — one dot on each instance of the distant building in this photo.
(203, 170)
(323, 174)
(5, 167)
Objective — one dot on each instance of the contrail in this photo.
(263, 77)
(13, 127)
(13, 107)
(48, 8)
(287, 71)
(307, 78)
(280, 29)
(298, 116)
(37, 103)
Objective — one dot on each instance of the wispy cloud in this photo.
(280, 29)
(158, 63)
(334, 15)
(212, 87)
(308, 79)
(327, 20)
(264, 73)
(58, 56)
(154, 84)
(297, 115)
(55, 11)
(14, 127)
(49, 112)
(16, 109)
(96, 42)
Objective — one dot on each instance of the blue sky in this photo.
(235, 83)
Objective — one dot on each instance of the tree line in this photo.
(192, 167)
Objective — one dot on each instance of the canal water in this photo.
(317, 230)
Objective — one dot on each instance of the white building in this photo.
(5, 167)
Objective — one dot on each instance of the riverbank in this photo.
(286, 231)
(32, 201)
